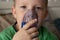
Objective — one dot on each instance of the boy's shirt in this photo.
(44, 34)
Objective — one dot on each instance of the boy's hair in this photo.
(45, 1)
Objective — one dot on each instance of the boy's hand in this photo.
(27, 33)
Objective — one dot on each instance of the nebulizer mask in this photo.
(29, 15)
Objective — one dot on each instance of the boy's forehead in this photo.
(29, 1)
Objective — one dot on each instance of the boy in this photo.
(38, 9)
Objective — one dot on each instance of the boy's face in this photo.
(22, 7)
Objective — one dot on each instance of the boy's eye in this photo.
(38, 8)
(24, 7)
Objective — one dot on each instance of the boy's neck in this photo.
(16, 27)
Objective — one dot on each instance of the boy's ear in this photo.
(14, 11)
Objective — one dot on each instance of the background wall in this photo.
(54, 8)
(5, 6)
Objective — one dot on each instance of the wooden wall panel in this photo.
(6, 20)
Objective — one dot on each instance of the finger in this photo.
(31, 30)
(29, 24)
(34, 35)
(35, 38)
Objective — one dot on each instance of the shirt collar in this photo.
(14, 26)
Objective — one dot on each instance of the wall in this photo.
(5, 6)
(54, 8)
